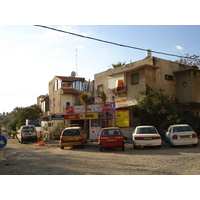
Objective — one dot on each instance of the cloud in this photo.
(179, 47)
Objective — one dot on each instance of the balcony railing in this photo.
(120, 89)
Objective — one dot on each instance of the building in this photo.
(64, 91)
(122, 84)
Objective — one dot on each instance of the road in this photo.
(31, 159)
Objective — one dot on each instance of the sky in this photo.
(31, 56)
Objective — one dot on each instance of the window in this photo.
(99, 88)
(135, 78)
(169, 77)
(67, 104)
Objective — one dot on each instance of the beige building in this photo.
(122, 84)
(64, 91)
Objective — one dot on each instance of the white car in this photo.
(146, 136)
(181, 134)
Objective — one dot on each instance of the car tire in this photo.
(171, 145)
(123, 148)
(159, 146)
(100, 148)
(62, 147)
(135, 147)
(194, 145)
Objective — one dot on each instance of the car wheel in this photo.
(159, 146)
(22, 142)
(171, 145)
(100, 148)
(194, 145)
(123, 148)
(134, 146)
(62, 147)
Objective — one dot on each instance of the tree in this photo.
(119, 64)
(18, 116)
(85, 99)
(154, 106)
(190, 60)
(103, 98)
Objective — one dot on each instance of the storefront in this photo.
(95, 117)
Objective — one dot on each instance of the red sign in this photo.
(72, 116)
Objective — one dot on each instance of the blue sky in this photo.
(31, 56)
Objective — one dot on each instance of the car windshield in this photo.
(27, 129)
(182, 129)
(146, 130)
(111, 132)
(71, 132)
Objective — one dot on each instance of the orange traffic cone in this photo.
(41, 143)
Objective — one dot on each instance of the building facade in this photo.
(123, 83)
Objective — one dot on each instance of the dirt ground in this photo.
(31, 159)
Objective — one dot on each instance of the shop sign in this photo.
(72, 116)
(122, 118)
(91, 108)
(57, 117)
(89, 116)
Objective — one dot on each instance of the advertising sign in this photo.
(89, 116)
(122, 118)
(57, 117)
(91, 108)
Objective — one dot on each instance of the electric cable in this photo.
(113, 43)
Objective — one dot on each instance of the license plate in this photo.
(111, 140)
(185, 136)
(27, 134)
(147, 138)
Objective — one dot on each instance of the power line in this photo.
(113, 43)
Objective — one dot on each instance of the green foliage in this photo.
(119, 64)
(156, 108)
(18, 116)
(154, 105)
(85, 99)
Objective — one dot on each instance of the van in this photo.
(27, 133)
(73, 136)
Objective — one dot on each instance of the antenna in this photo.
(76, 63)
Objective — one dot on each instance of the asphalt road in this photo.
(31, 159)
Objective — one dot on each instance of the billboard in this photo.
(122, 118)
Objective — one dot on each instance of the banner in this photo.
(91, 108)
(122, 118)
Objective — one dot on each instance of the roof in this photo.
(135, 68)
(70, 91)
(186, 70)
(69, 78)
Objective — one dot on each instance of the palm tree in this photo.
(119, 64)
(103, 98)
(85, 99)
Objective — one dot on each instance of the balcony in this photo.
(120, 89)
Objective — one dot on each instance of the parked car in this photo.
(146, 136)
(181, 134)
(111, 137)
(27, 133)
(73, 136)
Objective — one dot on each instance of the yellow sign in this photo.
(89, 116)
(122, 118)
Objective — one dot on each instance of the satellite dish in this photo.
(73, 73)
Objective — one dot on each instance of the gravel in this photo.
(31, 159)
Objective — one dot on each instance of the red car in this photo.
(111, 137)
